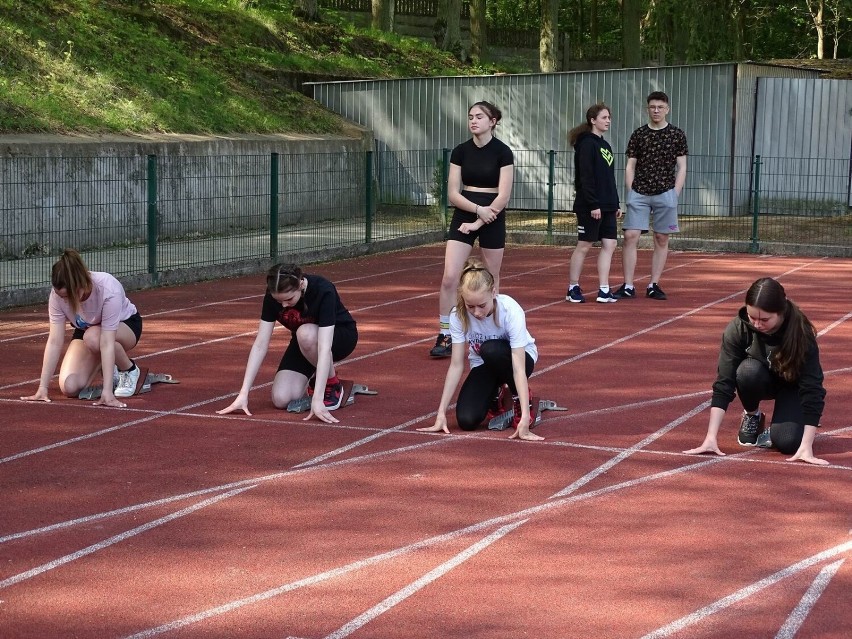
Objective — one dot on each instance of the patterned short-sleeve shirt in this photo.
(656, 152)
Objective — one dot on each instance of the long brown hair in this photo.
(69, 272)
(768, 295)
(475, 278)
(591, 113)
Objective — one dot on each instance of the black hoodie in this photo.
(594, 175)
(740, 341)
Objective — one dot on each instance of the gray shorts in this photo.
(663, 205)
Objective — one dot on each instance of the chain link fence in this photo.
(148, 219)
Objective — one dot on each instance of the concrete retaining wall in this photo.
(92, 192)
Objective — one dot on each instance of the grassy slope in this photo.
(187, 66)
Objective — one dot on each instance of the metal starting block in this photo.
(505, 419)
(350, 389)
(146, 381)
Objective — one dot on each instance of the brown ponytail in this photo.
(768, 295)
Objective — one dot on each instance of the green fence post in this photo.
(368, 176)
(273, 207)
(152, 220)
(551, 177)
(755, 206)
(445, 175)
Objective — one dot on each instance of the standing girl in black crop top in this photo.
(479, 186)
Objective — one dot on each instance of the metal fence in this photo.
(148, 216)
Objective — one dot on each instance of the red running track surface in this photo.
(165, 519)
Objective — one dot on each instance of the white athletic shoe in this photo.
(127, 380)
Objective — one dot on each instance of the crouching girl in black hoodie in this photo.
(769, 351)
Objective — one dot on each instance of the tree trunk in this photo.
(740, 18)
(816, 8)
(383, 14)
(820, 29)
(477, 30)
(593, 23)
(452, 36)
(548, 48)
(307, 10)
(631, 33)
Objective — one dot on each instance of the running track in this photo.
(165, 519)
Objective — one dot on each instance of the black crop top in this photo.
(480, 167)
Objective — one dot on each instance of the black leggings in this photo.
(756, 383)
(480, 387)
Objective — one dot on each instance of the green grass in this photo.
(184, 66)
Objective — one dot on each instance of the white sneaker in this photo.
(127, 380)
(115, 377)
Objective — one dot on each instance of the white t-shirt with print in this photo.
(107, 305)
(513, 328)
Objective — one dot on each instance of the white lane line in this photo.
(401, 595)
(585, 479)
(437, 439)
(214, 489)
(748, 591)
(172, 311)
(404, 550)
(654, 436)
(308, 463)
(835, 324)
(111, 429)
(364, 440)
(246, 334)
(803, 609)
(61, 561)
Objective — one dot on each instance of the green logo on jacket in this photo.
(607, 156)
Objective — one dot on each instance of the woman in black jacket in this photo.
(596, 203)
(769, 351)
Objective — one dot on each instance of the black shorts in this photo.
(134, 323)
(342, 344)
(591, 230)
(491, 236)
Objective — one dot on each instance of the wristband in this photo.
(476, 209)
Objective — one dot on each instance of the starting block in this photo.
(537, 406)
(143, 385)
(350, 389)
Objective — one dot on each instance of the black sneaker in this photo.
(655, 292)
(575, 295)
(605, 298)
(750, 427)
(624, 293)
(764, 440)
(443, 346)
(333, 396)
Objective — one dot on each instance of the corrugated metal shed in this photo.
(715, 104)
(816, 116)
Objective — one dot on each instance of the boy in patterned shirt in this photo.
(654, 175)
